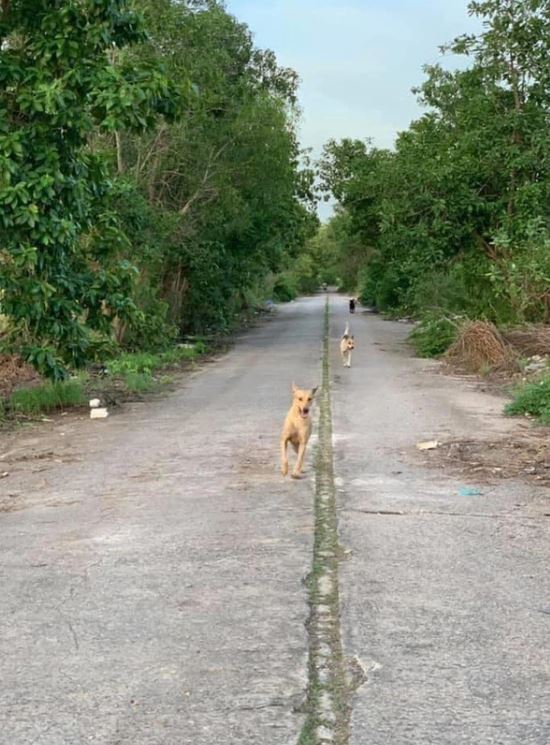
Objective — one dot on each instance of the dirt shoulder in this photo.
(523, 455)
(510, 448)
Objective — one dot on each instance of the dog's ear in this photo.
(294, 387)
(314, 390)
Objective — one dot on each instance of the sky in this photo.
(357, 59)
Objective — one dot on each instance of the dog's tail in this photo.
(346, 332)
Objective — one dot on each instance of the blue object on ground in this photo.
(469, 491)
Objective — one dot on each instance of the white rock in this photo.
(326, 585)
(99, 413)
(94, 403)
(324, 734)
(428, 445)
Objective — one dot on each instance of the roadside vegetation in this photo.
(532, 399)
(124, 377)
(151, 187)
(434, 335)
(456, 219)
(151, 181)
(45, 398)
(452, 226)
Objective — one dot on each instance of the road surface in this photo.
(153, 565)
(446, 600)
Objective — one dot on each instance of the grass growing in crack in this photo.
(326, 675)
(307, 735)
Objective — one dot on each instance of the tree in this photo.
(462, 201)
(226, 177)
(63, 278)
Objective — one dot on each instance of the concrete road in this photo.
(152, 564)
(446, 598)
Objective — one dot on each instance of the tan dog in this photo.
(347, 345)
(297, 429)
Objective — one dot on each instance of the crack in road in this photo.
(446, 513)
(330, 681)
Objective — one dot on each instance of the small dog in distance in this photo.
(347, 345)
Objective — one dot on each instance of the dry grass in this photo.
(481, 348)
(13, 373)
(530, 340)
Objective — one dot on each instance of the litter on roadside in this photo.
(96, 410)
(469, 491)
(427, 445)
(99, 413)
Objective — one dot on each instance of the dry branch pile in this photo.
(530, 341)
(481, 348)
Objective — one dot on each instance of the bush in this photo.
(284, 289)
(145, 363)
(47, 397)
(383, 286)
(139, 382)
(150, 329)
(533, 399)
(433, 336)
(367, 286)
(443, 291)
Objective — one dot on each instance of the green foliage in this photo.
(47, 397)
(149, 182)
(433, 336)
(150, 232)
(63, 275)
(148, 363)
(139, 370)
(532, 399)
(520, 281)
(457, 216)
(139, 382)
(223, 183)
(285, 288)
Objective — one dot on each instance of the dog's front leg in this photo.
(297, 472)
(284, 458)
(349, 359)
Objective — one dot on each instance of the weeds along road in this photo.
(153, 564)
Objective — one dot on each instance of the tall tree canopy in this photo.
(458, 215)
(62, 275)
(149, 177)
